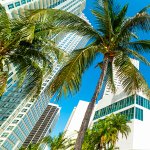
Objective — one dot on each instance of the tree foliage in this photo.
(105, 133)
(26, 44)
(115, 38)
(59, 142)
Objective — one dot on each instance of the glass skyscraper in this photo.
(20, 112)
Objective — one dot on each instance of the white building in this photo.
(135, 107)
(20, 112)
(75, 120)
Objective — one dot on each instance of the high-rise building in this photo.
(75, 120)
(44, 125)
(136, 107)
(20, 112)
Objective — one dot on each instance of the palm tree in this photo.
(32, 147)
(105, 133)
(59, 142)
(114, 125)
(115, 38)
(25, 42)
(91, 143)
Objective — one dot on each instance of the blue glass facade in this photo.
(139, 114)
(143, 102)
(13, 139)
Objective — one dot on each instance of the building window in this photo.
(4, 135)
(28, 0)
(10, 127)
(10, 6)
(24, 110)
(7, 145)
(129, 113)
(114, 107)
(44, 84)
(15, 121)
(9, 80)
(139, 114)
(23, 1)
(28, 105)
(17, 4)
(13, 138)
(1, 141)
(19, 134)
(142, 102)
(10, 74)
(3, 118)
(20, 115)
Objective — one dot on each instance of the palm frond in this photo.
(145, 9)
(51, 49)
(102, 14)
(140, 46)
(28, 72)
(3, 82)
(68, 78)
(61, 20)
(5, 29)
(129, 76)
(119, 19)
(140, 21)
(138, 56)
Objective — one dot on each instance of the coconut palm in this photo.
(25, 42)
(113, 125)
(59, 142)
(115, 38)
(91, 143)
(105, 133)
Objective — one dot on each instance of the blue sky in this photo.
(90, 77)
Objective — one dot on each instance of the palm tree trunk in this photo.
(90, 108)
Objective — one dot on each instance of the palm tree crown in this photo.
(116, 40)
(105, 133)
(59, 142)
(26, 43)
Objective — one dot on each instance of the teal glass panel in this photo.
(13, 139)
(9, 80)
(7, 145)
(23, 128)
(114, 107)
(10, 74)
(23, 1)
(139, 114)
(129, 113)
(142, 102)
(17, 4)
(10, 6)
(19, 134)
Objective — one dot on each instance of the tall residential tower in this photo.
(19, 113)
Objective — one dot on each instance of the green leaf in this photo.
(69, 77)
(3, 82)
